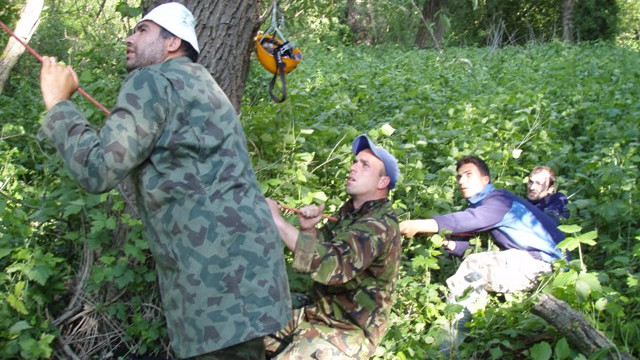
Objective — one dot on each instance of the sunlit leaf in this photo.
(541, 351)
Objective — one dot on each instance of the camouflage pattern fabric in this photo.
(354, 263)
(248, 350)
(302, 340)
(217, 250)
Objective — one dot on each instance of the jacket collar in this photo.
(488, 189)
(349, 211)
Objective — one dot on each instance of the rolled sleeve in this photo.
(303, 255)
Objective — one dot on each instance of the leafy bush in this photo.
(572, 107)
(596, 19)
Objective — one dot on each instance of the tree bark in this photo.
(358, 16)
(580, 334)
(567, 20)
(432, 28)
(226, 30)
(26, 26)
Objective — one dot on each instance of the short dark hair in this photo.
(185, 47)
(479, 163)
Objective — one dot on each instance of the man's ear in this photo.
(173, 44)
(551, 189)
(384, 181)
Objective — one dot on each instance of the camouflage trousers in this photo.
(302, 340)
(248, 350)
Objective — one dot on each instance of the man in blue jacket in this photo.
(526, 236)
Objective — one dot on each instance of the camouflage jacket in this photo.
(354, 263)
(218, 253)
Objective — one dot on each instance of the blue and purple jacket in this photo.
(514, 223)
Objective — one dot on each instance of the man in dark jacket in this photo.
(526, 236)
(541, 192)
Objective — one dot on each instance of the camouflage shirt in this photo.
(217, 250)
(354, 264)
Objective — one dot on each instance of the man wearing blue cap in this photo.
(353, 262)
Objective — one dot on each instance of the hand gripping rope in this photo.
(298, 211)
(34, 53)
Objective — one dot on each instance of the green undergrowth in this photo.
(575, 108)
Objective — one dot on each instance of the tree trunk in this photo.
(359, 19)
(580, 334)
(567, 20)
(226, 30)
(432, 28)
(26, 26)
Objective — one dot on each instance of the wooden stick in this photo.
(300, 211)
(34, 53)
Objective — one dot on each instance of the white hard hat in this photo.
(177, 19)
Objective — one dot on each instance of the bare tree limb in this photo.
(580, 334)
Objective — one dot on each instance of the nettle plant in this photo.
(516, 108)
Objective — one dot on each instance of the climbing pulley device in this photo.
(276, 54)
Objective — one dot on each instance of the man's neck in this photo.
(358, 202)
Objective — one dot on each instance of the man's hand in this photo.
(273, 206)
(410, 228)
(57, 82)
(309, 216)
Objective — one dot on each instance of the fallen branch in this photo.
(580, 334)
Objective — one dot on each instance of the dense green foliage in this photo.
(469, 22)
(576, 108)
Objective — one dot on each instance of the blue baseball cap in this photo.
(363, 142)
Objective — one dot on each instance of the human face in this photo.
(145, 46)
(470, 180)
(538, 185)
(365, 176)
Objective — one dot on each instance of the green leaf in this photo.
(19, 327)
(601, 304)
(4, 252)
(570, 229)
(564, 279)
(17, 304)
(583, 289)
(591, 280)
(569, 243)
(587, 238)
(541, 351)
(39, 273)
(496, 353)
(387, 130)
(562, 349)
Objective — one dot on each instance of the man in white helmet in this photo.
(217, 250)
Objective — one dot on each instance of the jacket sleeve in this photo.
(481, 218)
(99, 160)
(341, 258)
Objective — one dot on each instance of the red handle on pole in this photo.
(34, 53)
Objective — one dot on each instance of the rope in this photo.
(34, 53)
